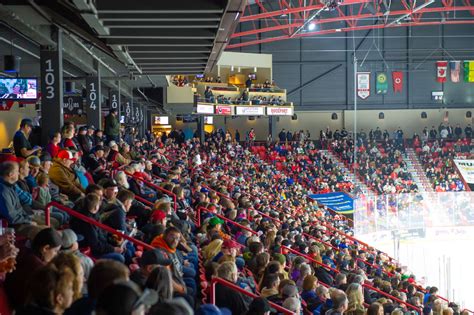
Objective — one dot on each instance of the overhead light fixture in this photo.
(311, 26)
(254, 69)
(308, 21)
(238, 69)
(236, 16)
(231, 68)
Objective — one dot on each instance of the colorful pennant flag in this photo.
(397, 78)
(382, 84)
(442, 69)
(468, 71)
(455, 68)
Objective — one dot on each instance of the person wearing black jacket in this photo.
(324, 276)
(94, 237)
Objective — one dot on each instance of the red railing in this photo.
(144, 201)
(85, 218)
(283, 247)
(198, 224)
(169, 193)
(234, 287)
(364, 284)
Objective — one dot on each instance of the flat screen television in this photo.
(18, 88)
(199, 76)
(253, 76)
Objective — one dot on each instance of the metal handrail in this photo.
(85, 218)
(150, 184)
(198, 224)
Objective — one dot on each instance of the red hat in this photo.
(66, 155)
(157, 215)
(230, 244)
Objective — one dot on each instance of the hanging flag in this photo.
(397, 78)
(363, 84)
(468, 71)
(455, 67)
(442, 69)
(382, 84)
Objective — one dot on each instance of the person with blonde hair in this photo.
(69, 260)
(310, 283)
(355, 295)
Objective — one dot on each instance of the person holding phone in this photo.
(21, 144)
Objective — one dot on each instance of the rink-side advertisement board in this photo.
(337, 201)
(466, 168)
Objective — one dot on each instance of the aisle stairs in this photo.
(417, 172)
(350, 175)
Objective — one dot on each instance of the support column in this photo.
(114, 96)
(52, 117)
(94, 99)
(200, 126)
(272, 126)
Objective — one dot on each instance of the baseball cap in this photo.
(98, 148)
(215, 221)
(230, 244)
(66, 155)
(112, 143)
(109, 183)
(26, 122)
(157, 215)
(46, 157)
(69, 237)
(123, 297)
(34, 160)
(155, 257)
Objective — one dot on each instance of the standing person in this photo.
(21, 144)
(237, 135)
(112, 126)
(251, 136)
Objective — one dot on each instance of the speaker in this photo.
(251, 117)
(468, 114)
(424, 115)
(69, 87)
(294, 117)
(381, 115)
(179, 118)
(334, 116)
(11, 63)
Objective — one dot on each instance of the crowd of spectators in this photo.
(243, 99)
(211, 209)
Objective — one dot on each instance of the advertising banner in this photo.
(205, 109)
(466, 168)
(279, 111)
(224, 110)
(337, 201)
(73, 105)
(250, 110)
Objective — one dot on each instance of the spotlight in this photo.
(12, 63)
(311, 26)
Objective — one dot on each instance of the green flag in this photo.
(382, 84)
(468, 71)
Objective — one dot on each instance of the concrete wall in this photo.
(314, 121)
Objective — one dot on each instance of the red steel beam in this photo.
(293, 10)
(347, 29)
(358, 17)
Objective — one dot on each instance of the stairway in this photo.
(417, 172)
(350, 175)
